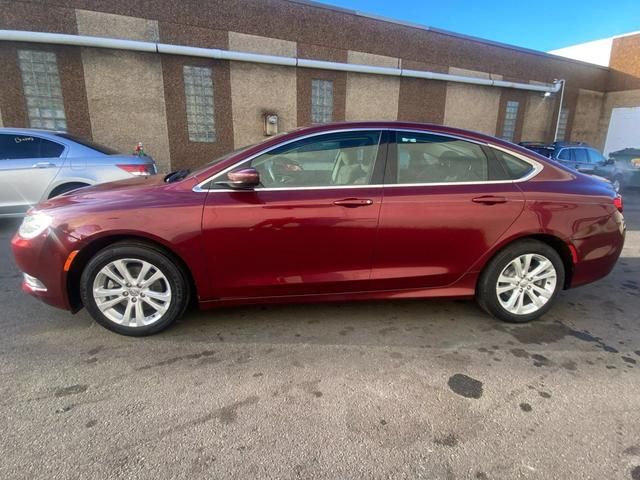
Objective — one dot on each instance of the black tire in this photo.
(66, 188)
(486, 292)
(175, 276)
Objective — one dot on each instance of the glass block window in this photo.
(321, 101)
(198, 89)
(510, 119)
(562, 125)
(41, 85)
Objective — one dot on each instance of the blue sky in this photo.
(542, 25)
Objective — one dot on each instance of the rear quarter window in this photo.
(513, 166)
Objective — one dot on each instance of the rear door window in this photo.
(580, 155)
(13, 147)
(430, 158)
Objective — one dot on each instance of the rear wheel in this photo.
(521, 282)
(134, 289)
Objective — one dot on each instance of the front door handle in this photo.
(43, 165)
(353, 202)
(489, 199)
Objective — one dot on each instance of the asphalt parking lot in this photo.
(414, 389)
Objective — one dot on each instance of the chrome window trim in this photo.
(537, 167)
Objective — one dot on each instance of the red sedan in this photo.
(336, 212)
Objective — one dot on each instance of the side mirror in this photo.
(245, 179)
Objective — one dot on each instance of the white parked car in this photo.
(39, 164)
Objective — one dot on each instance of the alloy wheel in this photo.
(132, 292)
(526, 284)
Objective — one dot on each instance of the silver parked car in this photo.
(39, 164)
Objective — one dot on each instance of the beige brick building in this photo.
(188, 109)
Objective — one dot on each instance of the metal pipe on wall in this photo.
(219, 54)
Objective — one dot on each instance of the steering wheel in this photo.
(282, 170)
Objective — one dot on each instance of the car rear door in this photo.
(28, 164)
(308, 229)
(566, 157)
(446, 202)
(582, 160)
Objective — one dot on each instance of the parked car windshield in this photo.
(89, 144)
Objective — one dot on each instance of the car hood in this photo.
(133, 190)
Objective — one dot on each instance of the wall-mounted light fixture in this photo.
(270, 124)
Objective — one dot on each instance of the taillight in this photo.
(139, 170)
(618, 203)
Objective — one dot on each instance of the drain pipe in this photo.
(560, 82)
(215, 53)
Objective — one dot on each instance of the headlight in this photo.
(33, 225)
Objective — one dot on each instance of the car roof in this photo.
(399, 124)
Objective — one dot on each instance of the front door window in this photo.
(337, 159)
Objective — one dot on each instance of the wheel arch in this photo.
(554, 241)
(94, 246)
(52, 191)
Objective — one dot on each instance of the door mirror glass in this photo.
(244, 179)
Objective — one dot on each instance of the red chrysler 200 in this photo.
(337, 212)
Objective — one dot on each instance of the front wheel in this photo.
(134, 289)
(521, 282)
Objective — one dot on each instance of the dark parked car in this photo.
(351, 211)
(624, 166)
(580, 157)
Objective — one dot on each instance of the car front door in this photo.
(28, 165)
(309, 228)
(600, 164)
(446, 202)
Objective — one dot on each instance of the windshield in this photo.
(89, 144)
(234, 152)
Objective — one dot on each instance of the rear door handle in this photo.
(353, 202)
(43, 165)
(489, 199)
